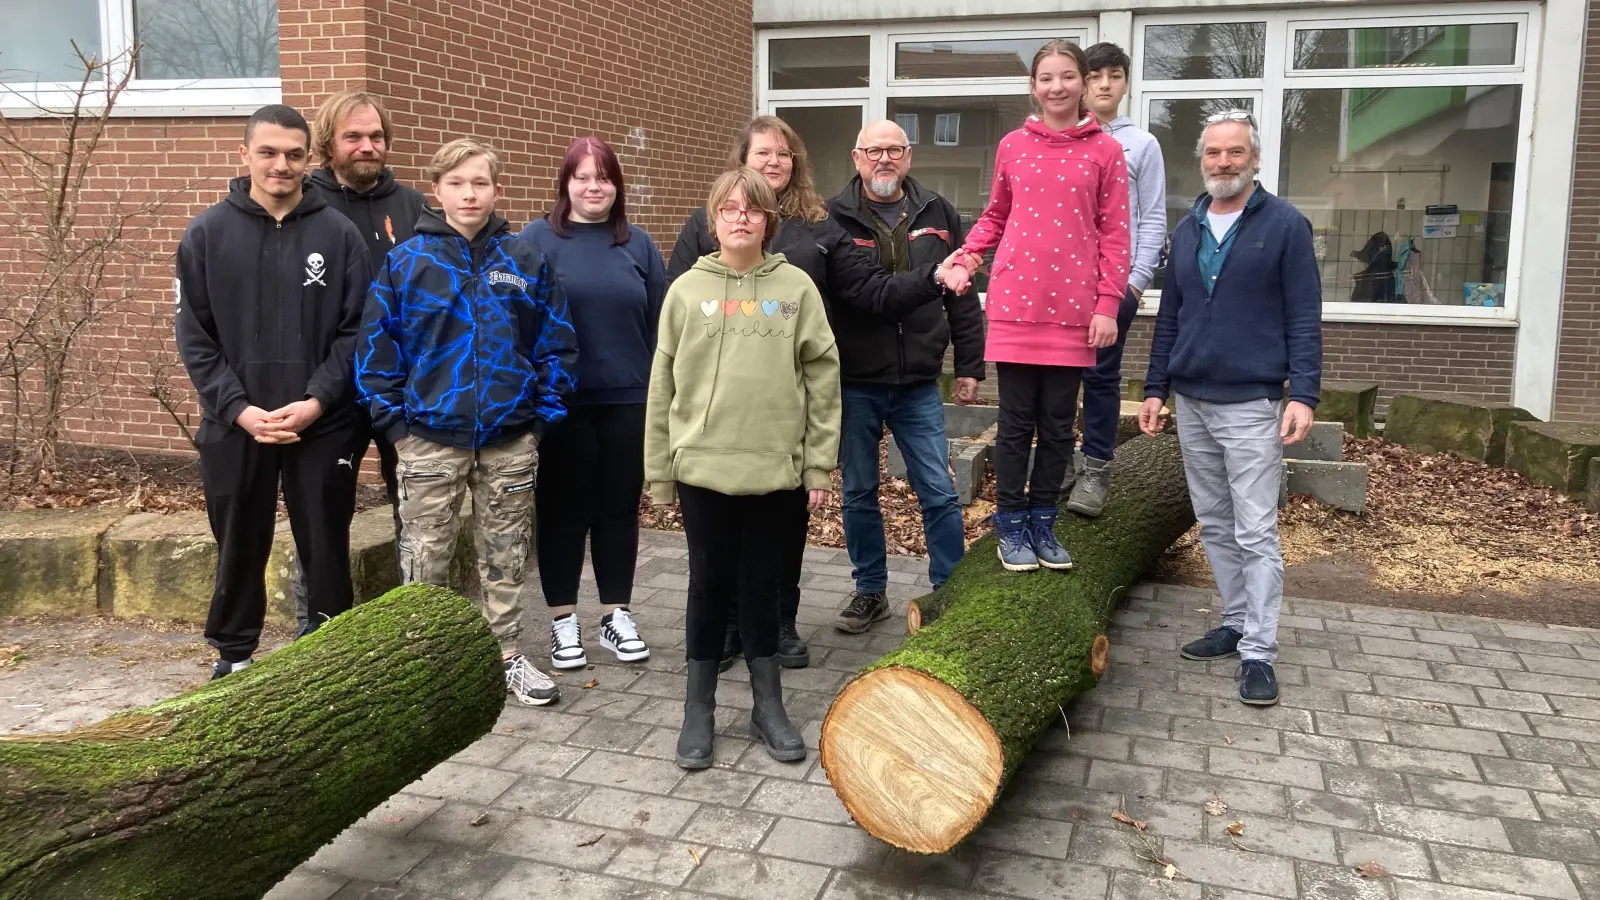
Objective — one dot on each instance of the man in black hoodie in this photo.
(352, 135)
(271, 286)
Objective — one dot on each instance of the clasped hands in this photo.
(282, 425)
(956, 274)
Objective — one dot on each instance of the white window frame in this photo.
(953, 120)
(1277, 78)
(144, 96)
(914, 133)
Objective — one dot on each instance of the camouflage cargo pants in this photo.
(501, 479)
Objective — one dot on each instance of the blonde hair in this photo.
(452, 155)
(333, 112)
(757, 195)
(799, 198)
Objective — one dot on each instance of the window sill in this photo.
(1391, 314)
(221, 97)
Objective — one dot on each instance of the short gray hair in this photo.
(1230, 117)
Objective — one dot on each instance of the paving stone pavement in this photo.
(1460, 754)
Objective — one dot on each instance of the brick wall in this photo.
(1578, 366)
(666, 83)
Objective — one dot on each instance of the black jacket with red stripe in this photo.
(911, 350)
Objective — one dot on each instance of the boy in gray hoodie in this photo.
(1147, 191)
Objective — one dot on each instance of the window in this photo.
(910, 123)
(947, 130)
(799, 64)
(217, 55)
(1402, 139)
(830, 134)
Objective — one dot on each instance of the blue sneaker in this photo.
(1042, 534)
(1218, 643)
(1012, 542)
(1258, 684)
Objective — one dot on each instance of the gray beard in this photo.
(884, 189)
(1222, 187)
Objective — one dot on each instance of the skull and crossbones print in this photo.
(315, 269)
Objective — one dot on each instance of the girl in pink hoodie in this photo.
(1059, 212)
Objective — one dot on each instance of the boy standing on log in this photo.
(465, 358)
(270, 288)
(1241, 313)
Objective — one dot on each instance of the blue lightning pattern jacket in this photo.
(465, 343)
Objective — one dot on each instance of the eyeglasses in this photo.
(765, 154)
(1232, 115)
(732, 214)
(877, 153)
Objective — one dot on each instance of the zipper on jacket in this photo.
(472, 305)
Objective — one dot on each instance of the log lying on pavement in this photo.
(221, 792)
(919, 746)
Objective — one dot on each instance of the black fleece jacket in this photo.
(386, 216)
(268, 311)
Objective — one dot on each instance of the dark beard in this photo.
(363, 174)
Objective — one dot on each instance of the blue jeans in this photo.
(915, 414)
(1102, 389)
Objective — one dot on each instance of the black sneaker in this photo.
(864, 608)
(222, 668)
(792, 651)
(1219, 643)
(1258, 686)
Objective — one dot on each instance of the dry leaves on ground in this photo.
(1371, 870)
(1215, 806)
(1125, 819)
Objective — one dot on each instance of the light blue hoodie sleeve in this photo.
(1149, 199)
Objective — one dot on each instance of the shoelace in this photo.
(566, 631)
(1256, 665)
(861, 603)
(1043, 534)
(622, 624)
(521, 675)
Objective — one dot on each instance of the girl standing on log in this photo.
(592, 463)
(742, 431)
(1058, 211)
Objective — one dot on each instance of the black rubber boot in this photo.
(769, 721)
(792, 650)
(699, 716)
(732, 647)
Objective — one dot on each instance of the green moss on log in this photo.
(221, 792)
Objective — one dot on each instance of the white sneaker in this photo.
(566, 644)
(621, 637)
(528, 684)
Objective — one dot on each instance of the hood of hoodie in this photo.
(387, 185)
(1117, 124)
(715, 266)
(1085, 127)
(239, 196)
(432, 221)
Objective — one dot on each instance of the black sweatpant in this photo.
(388, 465)
(738, 548)
(1034, 400)
(241, 477)
(591, 473)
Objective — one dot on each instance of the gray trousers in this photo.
(1233, 455)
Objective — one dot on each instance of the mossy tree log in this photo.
(919, 745)
(221, 792)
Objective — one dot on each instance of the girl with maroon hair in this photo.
(591, 471)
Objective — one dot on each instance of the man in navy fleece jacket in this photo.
(1241, 313)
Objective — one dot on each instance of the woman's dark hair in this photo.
(1060, 47)
(605, 160)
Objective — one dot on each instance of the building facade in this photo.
(667, 83)
(1446, 153)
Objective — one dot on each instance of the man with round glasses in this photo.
(889, 368)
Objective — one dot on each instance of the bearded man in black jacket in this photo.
(271, 286)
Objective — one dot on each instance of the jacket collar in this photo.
(851, 200)
(1202, 203)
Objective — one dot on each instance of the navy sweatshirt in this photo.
(614, 296)
(1261, 323)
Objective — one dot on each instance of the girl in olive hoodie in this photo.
(742, 431)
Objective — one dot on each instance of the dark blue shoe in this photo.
(1012, 542)
(1258, 686)
(1219, 643)
(1042, 534)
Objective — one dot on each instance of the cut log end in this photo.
(913, 618)
(1099, 655)
(914, 763)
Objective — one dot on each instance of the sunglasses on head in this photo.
(1232, 115)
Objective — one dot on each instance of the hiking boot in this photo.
(699, 716)
(566, 643)
(528, 684)
(620, 635)
(1258, 684)
(1219, 643)
(1088, 496)
(1042, 535)
(732, 647)
(769, 721)
(864, 608)
(792, 651)
(1012, 544)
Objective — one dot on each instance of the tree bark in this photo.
(221, 792)
(919, 746)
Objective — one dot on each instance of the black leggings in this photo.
(1040, 400)
(739, 553)
(591, 473)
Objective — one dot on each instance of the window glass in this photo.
(911, 124)
(1409, 47)
(1409, 189)
(1009, 58)
(1176, 124)
(1205, 51)
(798, 64)
(206, 38)
(961, 168)
(947, 130)
(36, 39)
(830, 134)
